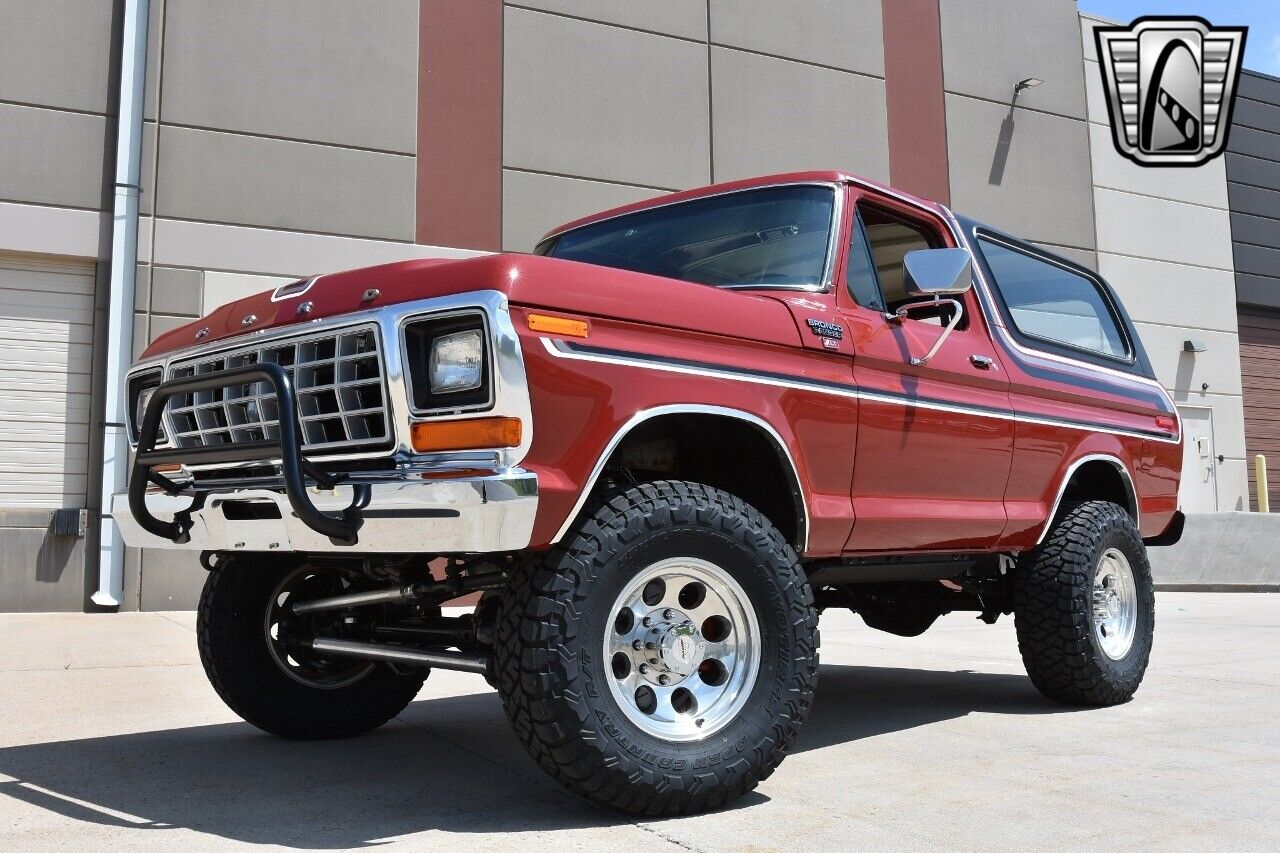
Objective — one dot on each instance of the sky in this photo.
(1262, 17)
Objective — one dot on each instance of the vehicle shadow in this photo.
(448, 764)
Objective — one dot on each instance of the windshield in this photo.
(765, 237)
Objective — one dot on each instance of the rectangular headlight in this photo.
(141, 388)
(457, 362)
(447, 362)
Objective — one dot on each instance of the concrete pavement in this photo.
(111, 737)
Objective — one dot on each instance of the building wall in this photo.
(1165, 244)
(607, 103)
(1022, 165)
(299, 136)
(1253, 189)
(56, 117)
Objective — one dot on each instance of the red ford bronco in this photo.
(658, 447)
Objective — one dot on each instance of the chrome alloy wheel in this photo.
(682, 649)
(1115, 604)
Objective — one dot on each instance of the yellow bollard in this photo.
(1260, 477)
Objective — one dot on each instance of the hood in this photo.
(527, 280)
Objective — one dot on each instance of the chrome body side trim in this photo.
(405, 515)
(848, 391)
(1066, 481)
(699, 409)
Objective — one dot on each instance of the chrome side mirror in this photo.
(937, 272)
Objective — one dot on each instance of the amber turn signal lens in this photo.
(558, 326)
(468, 434)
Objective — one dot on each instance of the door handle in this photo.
(983, 362)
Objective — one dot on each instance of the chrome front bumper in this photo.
(403, 515)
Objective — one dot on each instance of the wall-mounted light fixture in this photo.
(1193, 345)
(1029, 83)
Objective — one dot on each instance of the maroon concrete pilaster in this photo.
(459, 198)
(913, 89)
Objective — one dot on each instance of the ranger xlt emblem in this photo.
(1170, 85)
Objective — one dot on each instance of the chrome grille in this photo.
(337, 377)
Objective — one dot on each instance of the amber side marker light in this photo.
(558, 326)
(468, 434)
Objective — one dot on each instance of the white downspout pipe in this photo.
(124, 259)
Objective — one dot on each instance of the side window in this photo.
(861, 272)
(874, 272)
(1054, 303)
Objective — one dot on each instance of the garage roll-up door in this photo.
(46, 360)
(1260, 376)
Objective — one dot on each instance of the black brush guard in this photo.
(294, 467)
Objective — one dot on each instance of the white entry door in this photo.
(1199, 489)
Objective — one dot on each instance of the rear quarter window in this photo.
(1053, 303)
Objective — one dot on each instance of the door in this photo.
(935, 441)
(1198, 491)
(46, 358)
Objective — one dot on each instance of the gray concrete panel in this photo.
(1154, 228)
(161, 324)
(177, 291)
(601, 102)
(170, 580)
(1176, 294)
(1183, 372)
(1257, 201)
(775, 115)
(989, 45)
(53, 157)
(1027, 173)
(238, 248)
(57, 53)
(841, 33)
(222, 177)
(1255, 114)
(533, 204)
(1261, 290)
(1255, 143)
(54, 230)
(1253, 171)
(1204, 185)
(684, 18)
(1258, 260)
(42, 571)
(147, 180)
(318, 70)
(1257, 230)
(1222, 549)
(1259, 87)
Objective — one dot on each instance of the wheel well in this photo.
(721, 451)
(1100, 480)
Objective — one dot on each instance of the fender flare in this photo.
(780, 446)
(1116, 462)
